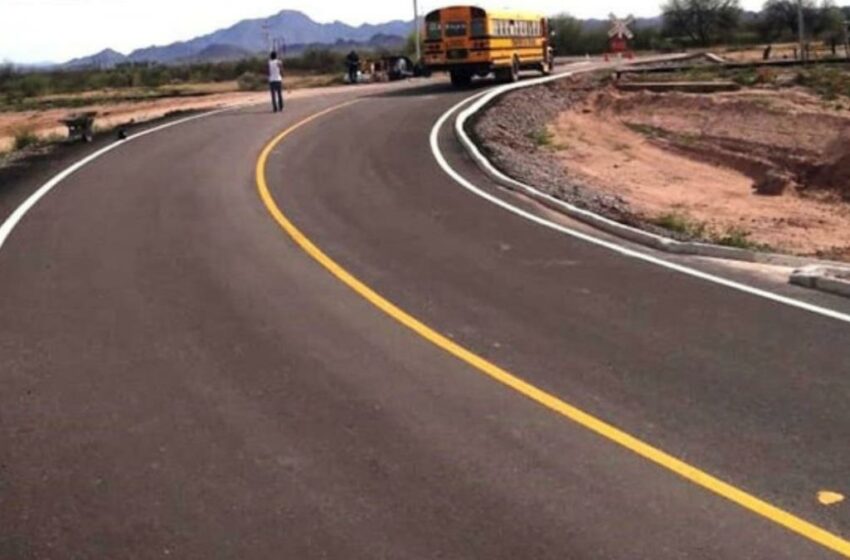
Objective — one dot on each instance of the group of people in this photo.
(352, 62)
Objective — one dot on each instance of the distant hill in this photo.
(387, 42)
(220, 53)
(103, 60)
(249, 37)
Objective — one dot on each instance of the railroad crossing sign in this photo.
(619, 35)
(620, 28)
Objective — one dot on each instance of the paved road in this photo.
(180, 379)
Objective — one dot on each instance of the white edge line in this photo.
(21, 211)
(488, 96)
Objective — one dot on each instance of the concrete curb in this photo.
(608, 225)
(824, 278)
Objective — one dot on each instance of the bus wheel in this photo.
(461, 78)
(514, 75)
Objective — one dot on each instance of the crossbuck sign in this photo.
(620, 28)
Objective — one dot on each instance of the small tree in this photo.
(829, 25)
(410, 45)
(703, 22)
(574, 37)
(567, 34)
(779, 16)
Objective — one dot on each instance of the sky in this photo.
(34, 31)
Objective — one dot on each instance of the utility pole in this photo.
(847, 38)
(267, 36)
(802, 29)
(417, 31)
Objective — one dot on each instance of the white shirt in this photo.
(275, 74)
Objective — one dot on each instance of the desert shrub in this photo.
(542, 137)
(737, 238)
(747, 78)
(573, 37)
(665, 45)
(18, 86)
(829, 83)
(765, 76)
(33, 85)
(681, 224)
(323, 61)
(251, 81)
(24, 138)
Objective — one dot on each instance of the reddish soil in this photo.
(771, 165)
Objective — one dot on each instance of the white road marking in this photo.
(21, 211)
(620, 249)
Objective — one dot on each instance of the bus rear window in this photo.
(479, 28)
(456, 29)
(435, 30)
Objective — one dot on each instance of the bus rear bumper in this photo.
(471, 68)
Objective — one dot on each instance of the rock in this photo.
(774, 183)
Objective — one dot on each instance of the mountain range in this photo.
(253, 36)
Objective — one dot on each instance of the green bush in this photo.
(737, 238)
(681, 224)
(829, 83)
(323, 61)
(33, 85)
(573, 37)
(542, 137)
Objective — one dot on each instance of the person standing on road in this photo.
(353, 63)
(276, 81)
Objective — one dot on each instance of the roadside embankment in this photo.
(766, 167)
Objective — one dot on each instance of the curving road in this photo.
(181, 379)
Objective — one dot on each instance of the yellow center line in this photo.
(553, 403)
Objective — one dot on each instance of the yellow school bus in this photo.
(467, 41)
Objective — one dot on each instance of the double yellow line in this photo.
(700, 478)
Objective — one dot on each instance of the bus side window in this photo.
(479, 28)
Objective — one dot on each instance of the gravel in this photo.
(512, 133)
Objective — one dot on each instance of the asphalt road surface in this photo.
(180, 379)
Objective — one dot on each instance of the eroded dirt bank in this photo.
(759, 167)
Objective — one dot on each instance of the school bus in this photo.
(467, 41)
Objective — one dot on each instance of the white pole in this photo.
(847, 38)
(802, 29)
(417, 31)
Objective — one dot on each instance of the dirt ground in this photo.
(696, 166)
(702, 159)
